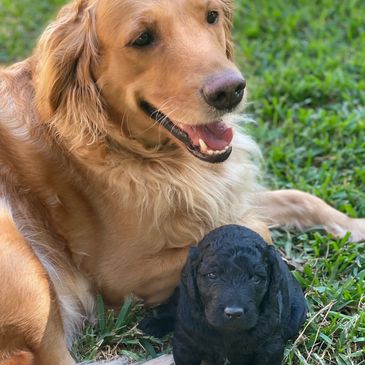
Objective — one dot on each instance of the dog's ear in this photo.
(285, 301)
(65, 56)
(276, 297)
(189, 274)
(228, 22)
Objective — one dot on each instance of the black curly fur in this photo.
(232, 268)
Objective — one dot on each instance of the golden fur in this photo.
(97, 197)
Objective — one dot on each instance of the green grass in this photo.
(116, 333)
(305, 66)
(21, 21)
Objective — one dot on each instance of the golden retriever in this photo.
(116, 155)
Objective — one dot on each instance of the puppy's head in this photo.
(232, 275)
(157, 72)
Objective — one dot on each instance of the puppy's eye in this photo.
(212, 275)
(145, 39)
(212, 17)
(257, 278)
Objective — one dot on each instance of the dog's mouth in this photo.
(208, 142)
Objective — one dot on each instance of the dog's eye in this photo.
(144, 40)
(212, 17)
(212, 275)
(257, 278)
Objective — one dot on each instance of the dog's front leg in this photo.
(272, 353)
(30, 319)
(183, 354)
(301, 210)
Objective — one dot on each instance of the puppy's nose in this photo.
(224, 91)
(233, 312)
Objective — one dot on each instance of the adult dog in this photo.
(115, 158)
(239, 303)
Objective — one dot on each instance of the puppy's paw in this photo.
(156, 327)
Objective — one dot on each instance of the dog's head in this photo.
(157, 72)
(233, 276)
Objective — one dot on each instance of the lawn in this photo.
(305, 66)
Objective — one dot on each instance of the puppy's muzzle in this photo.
(233, 313)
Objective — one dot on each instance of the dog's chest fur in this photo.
(161, 205)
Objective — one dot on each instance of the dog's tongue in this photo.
(217, 136)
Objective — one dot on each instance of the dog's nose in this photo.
(224, 91)
(233, 312)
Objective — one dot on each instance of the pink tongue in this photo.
(217, 136)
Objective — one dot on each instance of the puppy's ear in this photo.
(228, 21)
(189, 274)
(65, 87)
(276, 297)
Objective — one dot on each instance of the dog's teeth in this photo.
(221, 151)
(203, 146)
(204, 149)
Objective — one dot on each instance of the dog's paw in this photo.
(356, 228)
(156, 327)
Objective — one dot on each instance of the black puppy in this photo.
(238, 302)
